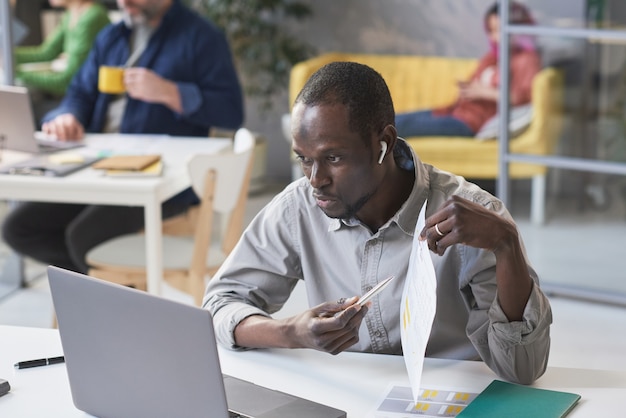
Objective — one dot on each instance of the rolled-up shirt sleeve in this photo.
(519, 349)
(258, 276)
(516, 350)
(228, 317)
(190, 97)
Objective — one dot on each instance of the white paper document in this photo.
(419, 302)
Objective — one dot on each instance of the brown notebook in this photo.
(127, 162)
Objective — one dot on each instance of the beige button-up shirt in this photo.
(291, 239)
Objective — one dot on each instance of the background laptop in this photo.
(132, 354)
(17, 124)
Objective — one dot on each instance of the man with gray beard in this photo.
(179, 80)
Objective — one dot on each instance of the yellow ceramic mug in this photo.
(111, 80)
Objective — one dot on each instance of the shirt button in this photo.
(377, 334)
(368, 288)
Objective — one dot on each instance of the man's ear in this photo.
(389, 135)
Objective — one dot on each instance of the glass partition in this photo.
(6, 43)
(580, 249)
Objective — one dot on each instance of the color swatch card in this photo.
(419, 303)
(502, 399)
(433, 402)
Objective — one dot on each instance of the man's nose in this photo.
(318, 176)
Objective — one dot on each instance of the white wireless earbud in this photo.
(383, 151)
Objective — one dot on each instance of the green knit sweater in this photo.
(74, 42)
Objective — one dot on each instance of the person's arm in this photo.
(64, 127)
(51, 47)
(214, 98)
(81, 38)
(330, 327)
(524, 66)
(241, 304)
(509, 323)
(204, 91)
(478, 91)
(82, 94)
(258, 278)
(473, 89)
(146, 85)
(463, 86)
(464, 222)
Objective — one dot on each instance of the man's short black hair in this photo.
(360, 88)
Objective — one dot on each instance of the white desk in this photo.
(352, 382)
(92, 187)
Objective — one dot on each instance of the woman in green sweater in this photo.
(64, 50)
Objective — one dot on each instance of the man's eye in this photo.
(334, 158)
(303, 160)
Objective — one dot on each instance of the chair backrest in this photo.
(222, 182)
(230, 167)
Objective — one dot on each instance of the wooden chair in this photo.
(222, 182)
(185, 223)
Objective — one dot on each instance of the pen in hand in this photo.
(39, 362)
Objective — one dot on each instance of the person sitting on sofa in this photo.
(477, 102)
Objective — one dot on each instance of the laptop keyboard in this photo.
(233, 414)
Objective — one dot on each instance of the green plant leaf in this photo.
(264, 50)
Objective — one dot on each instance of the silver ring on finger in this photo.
(441, 234)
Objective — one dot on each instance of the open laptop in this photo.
(17, 124)
(132, 354)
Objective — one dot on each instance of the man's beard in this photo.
(134, 21)
(145, 16)
(351, 210)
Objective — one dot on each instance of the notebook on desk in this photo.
(132, 354)
(48, 166)
(17, 124)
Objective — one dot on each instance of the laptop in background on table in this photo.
(132, 354)
(17, 124)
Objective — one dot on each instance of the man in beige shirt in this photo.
(350, 223)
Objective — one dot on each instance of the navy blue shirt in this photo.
(186, 49)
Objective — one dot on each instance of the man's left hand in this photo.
(460, 221)
(146, 85)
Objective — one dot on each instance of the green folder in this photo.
(508, 400)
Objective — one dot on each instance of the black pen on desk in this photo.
(39, 362)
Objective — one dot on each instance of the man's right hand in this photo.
(331, 327)
(64, 127)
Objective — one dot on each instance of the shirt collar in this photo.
(406, 217)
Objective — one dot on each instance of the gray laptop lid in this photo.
(17, 123)
(129, 354)
(132, 354)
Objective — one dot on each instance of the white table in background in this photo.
(350, 381)
(89, 186)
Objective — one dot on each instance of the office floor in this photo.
(584, 334)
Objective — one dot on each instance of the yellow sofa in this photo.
(421, 82)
